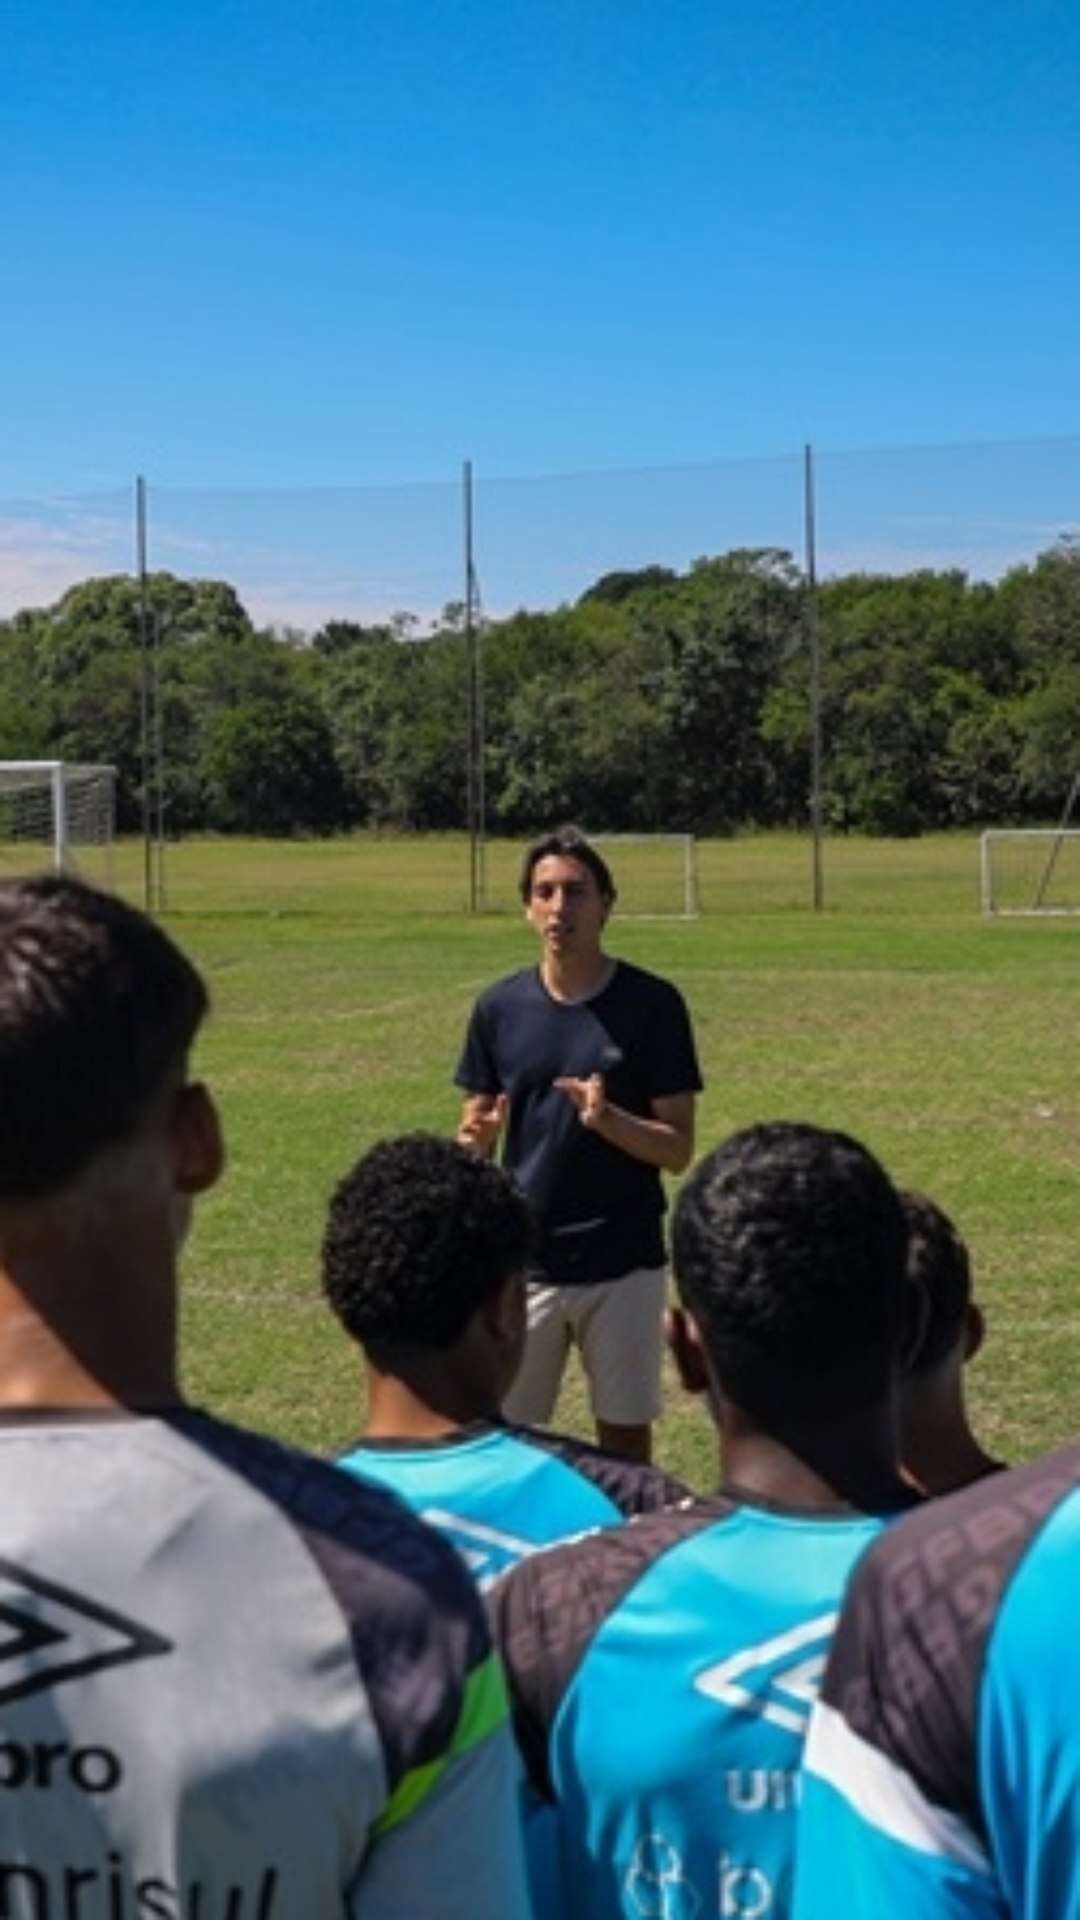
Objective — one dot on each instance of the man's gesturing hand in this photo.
(589, 1097)
(482, 1122)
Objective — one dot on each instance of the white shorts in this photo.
(618, 1327)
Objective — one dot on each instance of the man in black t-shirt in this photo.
(590, 1064)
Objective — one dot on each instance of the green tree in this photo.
(912, 664)
(269, 767)
(1048, 725)
(617, 587)
(1041, 603)
(540, 757)
(724, 631)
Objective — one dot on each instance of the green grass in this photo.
(342, 974)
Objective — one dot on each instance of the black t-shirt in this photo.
(599, 1208)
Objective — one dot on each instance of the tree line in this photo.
(657, 701)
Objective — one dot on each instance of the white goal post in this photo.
(1030, 870)
(657, 879)
(54, 813)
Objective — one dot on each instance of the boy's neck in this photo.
(77, 1331)
(398, 1411)
(847, 1465)
(939, 1450)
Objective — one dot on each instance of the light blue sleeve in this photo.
(870, 1847)
(849, 1868)
(1029, 1728)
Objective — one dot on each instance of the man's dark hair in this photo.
(789, 1246)
(940, 1270)
(97, 1008)
(571, 843)
(419, 1235)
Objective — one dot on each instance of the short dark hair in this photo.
(570, 842)
(939, 1268)
(420, 1233)
(789, 1246)
(97, 1008)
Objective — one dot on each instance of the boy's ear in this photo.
(685, 1344)
(198, 1144)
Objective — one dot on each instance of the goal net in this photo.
(1030, 870)
(55, 814)
(655, 874)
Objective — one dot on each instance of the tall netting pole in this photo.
(473, 587)
(159, 772)
(144, 689)
(474, 777)
(813, 631)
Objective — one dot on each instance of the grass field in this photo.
(342, 973)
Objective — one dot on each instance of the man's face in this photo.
(566, 906)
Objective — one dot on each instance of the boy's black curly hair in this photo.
(789, 1249)
(420, 1233)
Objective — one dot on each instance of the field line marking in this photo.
(236, 1018)
(256, 1296)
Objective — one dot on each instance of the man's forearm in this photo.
(656, 1142)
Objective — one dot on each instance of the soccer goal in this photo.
(656, 874)
(56, 814)
(1033, 870)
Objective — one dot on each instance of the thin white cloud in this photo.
(46, 549)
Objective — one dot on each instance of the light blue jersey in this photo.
(500, 1492)
(661, 1678)
(943, 1767)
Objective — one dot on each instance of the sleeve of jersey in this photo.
(544, 1613)
(873, 1840)
(476, 1071)
(445, 1843)
(449, 1843)
(870, 1845)
(634, 1489)
(631, 1488)
(546, 1610)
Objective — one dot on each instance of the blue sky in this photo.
(330, 245)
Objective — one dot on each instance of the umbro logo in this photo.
(777, 1680)
(49, 1635)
